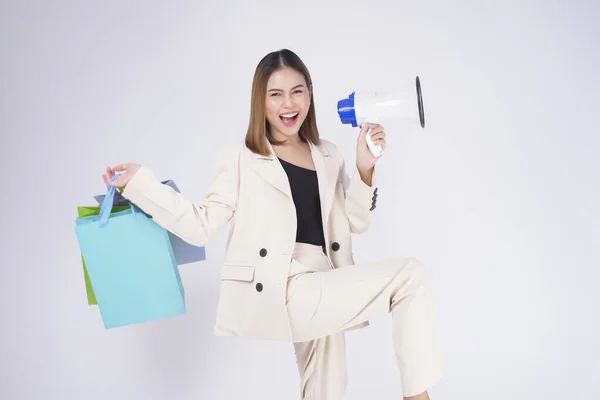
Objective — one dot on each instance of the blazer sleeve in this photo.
(195, 223)
(360, 198)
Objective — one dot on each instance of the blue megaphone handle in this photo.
(107, 204)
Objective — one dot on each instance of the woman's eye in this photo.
(278, 94)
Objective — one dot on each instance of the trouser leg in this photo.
(322, 303)
(322, 367)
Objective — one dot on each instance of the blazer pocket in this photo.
(237, 272)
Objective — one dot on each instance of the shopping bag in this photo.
(131, 266)
(185, 253)
(85, 211)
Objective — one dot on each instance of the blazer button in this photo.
(259, 287)
(335, 246)
(263, 252)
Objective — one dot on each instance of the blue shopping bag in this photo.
(185, 253)
(131, 266)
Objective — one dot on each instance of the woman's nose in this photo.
(287, 101)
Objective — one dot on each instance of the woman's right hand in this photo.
(127, 172)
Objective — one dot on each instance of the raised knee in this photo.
(411, 277)
(418, 271)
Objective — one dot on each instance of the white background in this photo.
(498, 195)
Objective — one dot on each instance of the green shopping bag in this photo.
(84, 211)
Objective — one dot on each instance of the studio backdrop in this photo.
(497, 195)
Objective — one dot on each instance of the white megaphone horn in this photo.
(370, 107)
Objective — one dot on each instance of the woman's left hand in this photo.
(365, 161)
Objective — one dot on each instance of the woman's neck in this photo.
(289, 141)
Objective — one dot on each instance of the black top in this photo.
(305, 192)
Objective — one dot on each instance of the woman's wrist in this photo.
(366, 176)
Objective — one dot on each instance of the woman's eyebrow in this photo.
(280, 90)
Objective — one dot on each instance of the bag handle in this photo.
(107, 204)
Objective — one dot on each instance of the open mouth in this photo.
(289, 119)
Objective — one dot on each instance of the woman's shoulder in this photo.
(330, 148)
(228, 157)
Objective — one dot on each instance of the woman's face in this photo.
(287, 102)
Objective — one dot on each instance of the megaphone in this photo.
(405, 104)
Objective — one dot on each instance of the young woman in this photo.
(289, 272)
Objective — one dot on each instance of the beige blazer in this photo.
(252, 192)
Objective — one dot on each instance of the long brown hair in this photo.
(258, 128)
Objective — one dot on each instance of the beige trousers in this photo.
(323, 302)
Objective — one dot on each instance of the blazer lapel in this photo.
(270, 169)
(327, 173)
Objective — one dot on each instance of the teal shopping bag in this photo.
(131, 266)
(185, 253)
